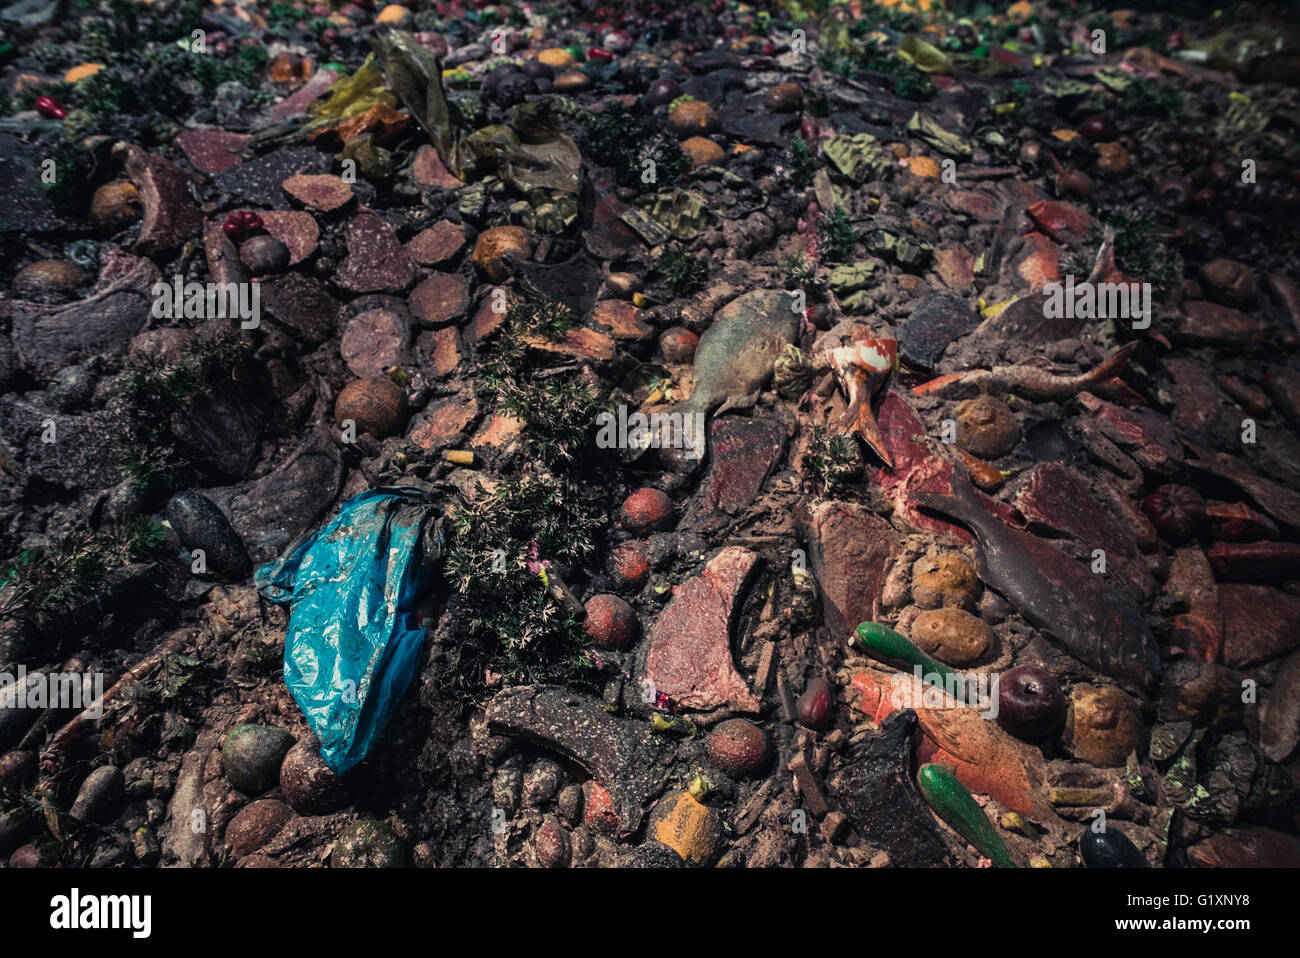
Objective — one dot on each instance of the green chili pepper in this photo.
(954, 804)
(882, 642)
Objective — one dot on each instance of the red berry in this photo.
(232, 229)
(50, 108)
(600, 53)
(1096, 128)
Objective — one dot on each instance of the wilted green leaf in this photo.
(929, 130)
(924, 56)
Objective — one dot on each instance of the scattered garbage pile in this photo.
(628, 434)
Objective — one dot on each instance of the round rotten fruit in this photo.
(376, 405)
(1097, 129)
(646, 510)
(738, 747)
(1176, 511)
(816, 707)
(662, 92)
(1030, 702)
(611, 623)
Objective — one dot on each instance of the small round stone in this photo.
(394, 13)
(256, 824)
(1229, 282)
(738, 747)
(1110, 848)
(623, 285)
(692, 118)
(986, 427)
(308, 783)
(115, 206)
(629, 566)
(48, 280)
(557, 58)
(72, 387)
(201, 525)
(784, 97)
(815, 709)
(1103, 725)
(30, 856)
(646, 510)
(376, 405)
(551, 844)
(654, 855)
(948, 580)
(252, 754)
(571, 81)
(951, 635)
(1112, 158)
(678, 344)
(662, 92)
(701, 151)
(98, 794)
(494, 248)
(611, 623)
(264, 255)
(17, 767)
(368, 844)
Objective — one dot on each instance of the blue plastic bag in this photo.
(353, 641)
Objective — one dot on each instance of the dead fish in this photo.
(861, 369)
(1037, 383)
(1076, 607)
(735, 356)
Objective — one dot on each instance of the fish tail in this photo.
(959, 501)
(864, 424)
(1112, 366)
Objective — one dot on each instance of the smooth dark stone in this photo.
(97, 794)
(252, 755)
(201, 525)
(654, 855)
(1109, 849)
(935, 322)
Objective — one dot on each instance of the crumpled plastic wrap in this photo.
(353, 587)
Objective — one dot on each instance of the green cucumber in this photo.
(954, 804)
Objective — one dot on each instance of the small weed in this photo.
(638, 151)
(1148, 98)
(832, 459)
(683, 272)
(42, 589)
(500, 547)
(801, 163)
(838, 234)
(558, 411)
(1138, 251)
(800, 273)
(545, 318)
